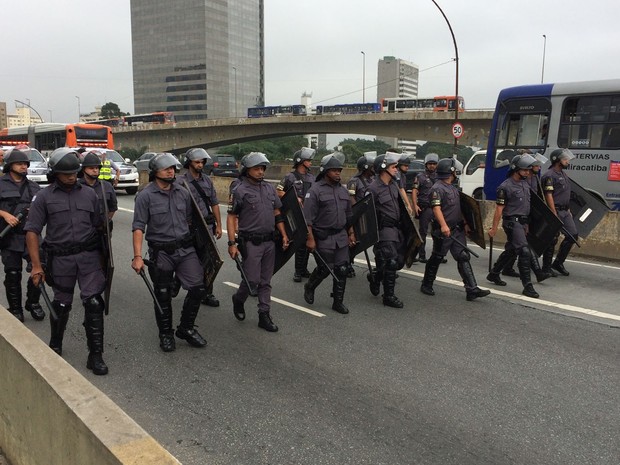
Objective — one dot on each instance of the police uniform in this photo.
(72, 246)
(108, 191)
(327, 210)
(164, 215)
(445, 197)
(390, 250)
(15, 198)
(301, 182)
(358, 185)
(422, 184)
(557, 183)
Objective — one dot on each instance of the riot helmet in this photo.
(447, 167)
(161, 161)
(251, 160)
(561, 154)
(431, 158)
(306, 153)
(404, 160)
(64, 160)
(14, 155)
(91, 159)
(328, 162)
(522, 162)
(383, 161)
(195, 154)
(365, 161)
(540, 160)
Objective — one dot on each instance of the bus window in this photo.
(523, 131)
(590, 122)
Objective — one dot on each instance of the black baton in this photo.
(464, 246)
(490, 253)
(8, 227)
(322, 260)
(47, 300)
(152, 291)
(253, 292)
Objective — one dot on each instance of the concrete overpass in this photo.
(424, 125)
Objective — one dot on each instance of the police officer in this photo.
(448, 230)
(89, 176)
(255, 208)
(301, 178)
(420, 196)
(163, 215)
(513, 207)
(390, 250)
(70, 214)
(403, 166)
(16, 194)
(109, 170)
(327, 209)
(556, 187)
(204, 192)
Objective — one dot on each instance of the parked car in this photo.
(144, 157)
(129, 173)
(222, 165)
(37, 171)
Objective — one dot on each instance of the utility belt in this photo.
(172, 246)
(562, 207)
(323, 234)
(517, 219)
(257, 238)
(74, 248)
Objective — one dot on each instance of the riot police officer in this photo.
(16, 194)
(162, 215)
(204, 192)
(420, 196)
(556, 187)
(327, 209)
(73, 251)
(403, 167)
(513, 208)
(448, 231)
(89, 176)
(390, 249)
(301, 178)
(255, 207)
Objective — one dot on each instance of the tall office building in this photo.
(397, 78)
(198, 58)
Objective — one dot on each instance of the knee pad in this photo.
(12, 275)
(463, 256)
(163, 278)
(341, 270)
(391, 265)
(93, 304)
(196, 293)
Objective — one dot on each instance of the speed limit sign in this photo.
(457, 130)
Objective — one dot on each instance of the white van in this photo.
(471, 180)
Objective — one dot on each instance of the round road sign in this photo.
(457, 130)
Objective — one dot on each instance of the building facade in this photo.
(23, 117)
(198, 58)
(3, 116)
(397, 78)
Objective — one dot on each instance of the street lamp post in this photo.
(79, 110)
(363, 77)
(456, 59)
(542, 75)
(51, 119)
(28, 105)
(235, 70)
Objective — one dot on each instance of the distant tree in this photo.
(111, 110)
(444, 150)
(364, 145)
(279, 148)
(132, 154)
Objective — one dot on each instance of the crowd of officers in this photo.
(76, 211)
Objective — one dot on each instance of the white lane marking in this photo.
(548, 303)
(286, 303)
(125, 209)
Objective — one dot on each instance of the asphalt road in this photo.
(501, 380)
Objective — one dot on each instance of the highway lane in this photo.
(499, 380)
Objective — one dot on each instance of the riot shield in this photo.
(587, 209)
(413, 239)
(471, 212)
(108, 257)
(296, 229)
(365, 225)
(204, 242)
(543, 227)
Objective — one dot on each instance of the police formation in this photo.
(180, 221)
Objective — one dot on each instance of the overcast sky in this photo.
(56, 50)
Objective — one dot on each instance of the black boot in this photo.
(375, 278)
(471, 287)
(524, 270)
(93, 323)
(422, 253)
(389, 283)
(186, 330)
(535, 266)
(13, 287)
(238, 308)
(430, 273)
(209, 299)
(350, 271)
(317, 276)
(508, 269)
(338, 289)
(504, 258)
(563, 251)
(547, 259)
(58, 325)
(33, 294)
(265, 322)
(164, 318)
(301, 265)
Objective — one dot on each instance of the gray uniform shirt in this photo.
(301, 183)
(447, 197)
(327, 209)
(558, 184)
(14, 202)
(423, 184)
(387, 206)
(205, 183)
(358, 185)
(110, 195)
(255, 203)
(164, 214)
(515, 196)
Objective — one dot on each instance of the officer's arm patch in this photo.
(435, 199)
(501, 196)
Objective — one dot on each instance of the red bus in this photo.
(46, 137)
(448, 103)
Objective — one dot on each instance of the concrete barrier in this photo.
(51, 415)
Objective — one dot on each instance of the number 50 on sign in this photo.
(457, 130)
